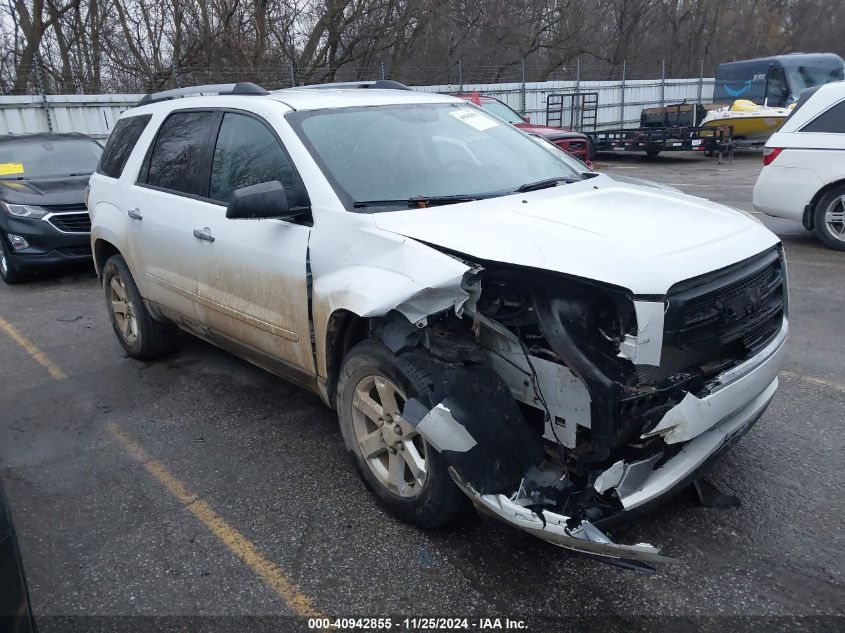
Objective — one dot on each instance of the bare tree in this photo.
(32, 25)
(135, 45)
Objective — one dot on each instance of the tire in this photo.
(8, 272)
(139, 333)
(651, 153)
(830, 207)
(438, 501)
(591, 149)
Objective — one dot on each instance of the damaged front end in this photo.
(562, 405)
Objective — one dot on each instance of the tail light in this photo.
(770, 154)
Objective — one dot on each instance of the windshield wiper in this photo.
(420, 202)
(545, 183)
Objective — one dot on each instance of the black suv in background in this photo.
(43, 217)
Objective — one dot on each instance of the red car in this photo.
(571, 142)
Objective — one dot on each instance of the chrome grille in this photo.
(63, 208)
(72, 222)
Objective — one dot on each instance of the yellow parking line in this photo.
(31, 349)
(816, 381)
(241, 546)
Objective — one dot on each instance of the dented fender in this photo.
(376, 273)
(372, 292)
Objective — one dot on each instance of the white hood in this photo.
(640, 238)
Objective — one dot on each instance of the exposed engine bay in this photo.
(562, 404)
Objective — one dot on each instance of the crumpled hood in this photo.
(64, 190)
(639, 238)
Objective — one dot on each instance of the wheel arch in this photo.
(103, 250)
(344, 329)
(346, 302)
(808, 219)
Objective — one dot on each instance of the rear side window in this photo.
(831, 120)
(248, 153)
(120, 145)
(180, 156)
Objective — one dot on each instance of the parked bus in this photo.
(776, 81)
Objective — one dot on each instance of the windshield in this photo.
(402, 152)
(501, 110)
(48, 158)
(801, 77)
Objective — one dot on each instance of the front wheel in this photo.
(138, 332)
(8, 272)
(830, 218)
(400, 468)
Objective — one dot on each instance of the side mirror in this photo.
(264, 200)
(527, 118)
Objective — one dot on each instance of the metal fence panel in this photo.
(96, 114)
(90, 114)
(639, 94)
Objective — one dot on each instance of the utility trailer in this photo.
(653, 140)
(662, 129)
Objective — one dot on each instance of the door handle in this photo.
(135, 214)
(204, 234)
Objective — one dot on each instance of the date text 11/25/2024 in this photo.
(417, 624)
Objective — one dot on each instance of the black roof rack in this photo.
(378, 84)
(240, 88)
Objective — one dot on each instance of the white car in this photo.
(803, 177)
(489, 324)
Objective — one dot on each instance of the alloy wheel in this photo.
(834, 218)
(124, 312)
(391, 447)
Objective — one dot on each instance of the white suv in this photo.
(490, 324)
(803, 175)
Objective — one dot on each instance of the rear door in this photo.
(252, 289)
(169, 207)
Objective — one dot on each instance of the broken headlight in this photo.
(590, 317)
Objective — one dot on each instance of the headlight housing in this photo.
(24, 210)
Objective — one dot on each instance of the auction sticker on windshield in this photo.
(475, 119)
(7, 169)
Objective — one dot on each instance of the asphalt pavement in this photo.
(199, 485)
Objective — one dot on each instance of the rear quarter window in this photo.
(831, 120)
(120, 145)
